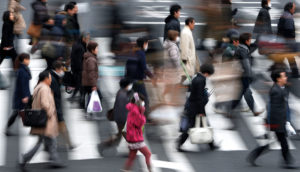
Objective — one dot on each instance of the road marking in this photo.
(156, 23)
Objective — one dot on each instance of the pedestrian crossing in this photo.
(85, 134)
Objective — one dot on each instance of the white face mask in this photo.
(143, 103)
(146, 47)
(177, 39)
(61, 74)
(129, 87)
(270, 5)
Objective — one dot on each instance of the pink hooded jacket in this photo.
(135, 122)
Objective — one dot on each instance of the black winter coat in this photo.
(263, 23)
(286, 26)
(55, 87)
(78, 50)
(171, 24)
(22, 89)
(278, 108)
(40, 14)
(198, 97)
(7, 34)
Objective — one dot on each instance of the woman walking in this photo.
(7, 42)
(15, 7)
(43, 99)
(90, 70)
(22, 91)
(134, 131)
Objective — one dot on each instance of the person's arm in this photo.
(184, 47)
(290, 28)
(140, 119)
(25, 91)
(92, 74)
(145, 68)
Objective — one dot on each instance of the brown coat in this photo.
(90, 70)
(43, 99)
(15, 7)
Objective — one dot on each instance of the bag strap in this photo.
(185, 71)
(201, 119)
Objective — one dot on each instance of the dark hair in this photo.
(43, 75)
(207, 68)
(245, 37)
(73, 2)
(69, 6)
(141, 41)
(189, 20)
(6, 15)
(21, 59)
(276, 74)
(264, 3)
(174, 8)
(92, 46)
(125, 82)
(288, 6)
(57, 64)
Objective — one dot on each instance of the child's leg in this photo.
(146, 152)
(131, 158)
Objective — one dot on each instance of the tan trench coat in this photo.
(43, 99)
(15, 7)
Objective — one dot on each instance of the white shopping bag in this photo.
(94, 104)
(200, 135)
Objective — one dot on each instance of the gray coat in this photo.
(242, 54)
(120, 111)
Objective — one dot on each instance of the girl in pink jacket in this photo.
(134, 131)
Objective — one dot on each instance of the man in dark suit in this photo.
(196, 102)
(277, 119)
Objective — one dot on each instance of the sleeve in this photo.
(184, 46)
(139, 119)
(25, 91)
(174, 54)
(92, 68)
(144, 66)
(45, 103)
(290, 28)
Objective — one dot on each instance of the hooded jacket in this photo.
(90, 70)
(135, 122)
(172, 23)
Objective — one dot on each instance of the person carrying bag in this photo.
(201, 133)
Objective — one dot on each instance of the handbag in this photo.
(34, 30)
(199, 135)
(110, 115)
(94, 104)
(33, 117)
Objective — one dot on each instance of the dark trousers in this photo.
(12, 118)
(281, 137)
(247, 93)
(8, 53)
(77, 78)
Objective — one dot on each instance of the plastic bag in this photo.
(94, 104)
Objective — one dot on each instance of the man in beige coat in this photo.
(43, 99)
(187, 47)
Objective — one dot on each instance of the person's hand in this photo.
(7, 48)
(201, 115)
(25, 100)
(50, 22)
(94, 88)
